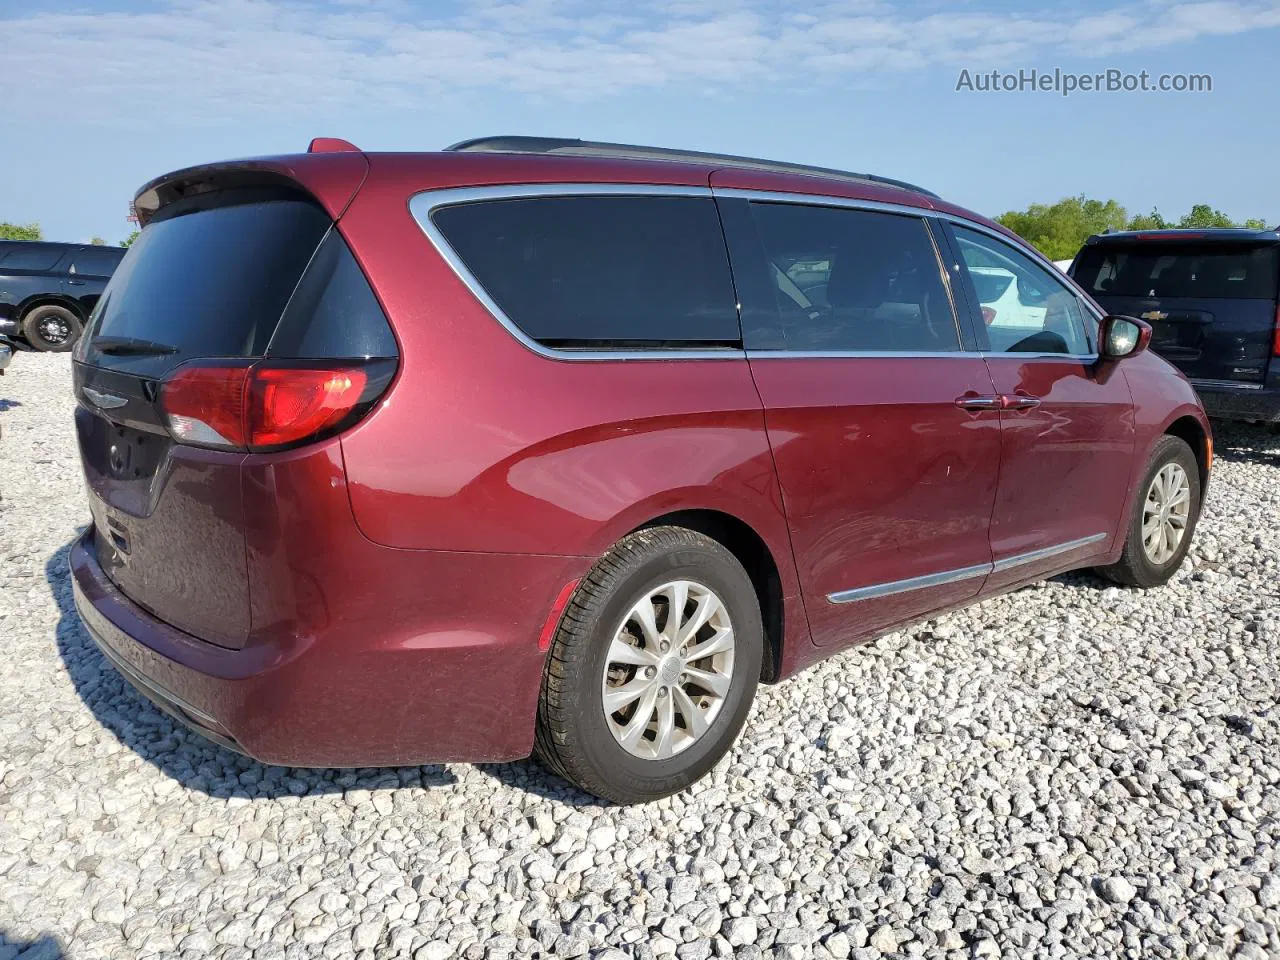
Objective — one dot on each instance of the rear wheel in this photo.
(51, 328)
(653, 669)
(1164, 518)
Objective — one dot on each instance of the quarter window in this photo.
(601, 272)
(37, 256)
(1025, 308)
(96, 263)
(848, 280)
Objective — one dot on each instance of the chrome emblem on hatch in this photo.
(1155, 315)
(106, 401)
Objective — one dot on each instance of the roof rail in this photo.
(590, 148)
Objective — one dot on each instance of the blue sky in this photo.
(102, 95)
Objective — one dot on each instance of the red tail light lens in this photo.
(290, 404)
(267, 407)
(205, 405)
(1275, 340)
(988, 316)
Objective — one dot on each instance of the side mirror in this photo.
(1122, 337)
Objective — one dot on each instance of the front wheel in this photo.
(1164, 518)
(51, 328)
(653, 669)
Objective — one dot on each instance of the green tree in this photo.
(21, 231)
(128, 241)
(1147, 221)
(1203, 216)
(1060, 230)
(98, 242)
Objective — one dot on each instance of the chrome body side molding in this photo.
(964, 573)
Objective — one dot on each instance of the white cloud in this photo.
(223, 59)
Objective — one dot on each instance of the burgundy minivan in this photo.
(561, 447)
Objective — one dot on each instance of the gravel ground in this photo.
(1070, 771)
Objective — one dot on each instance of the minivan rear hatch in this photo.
(217, 285)
(1212, 303)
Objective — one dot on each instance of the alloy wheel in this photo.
(668, 670)
(1165, 513)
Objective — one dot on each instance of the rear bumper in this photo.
(9, 328)
(463, 687)
(1224, 401)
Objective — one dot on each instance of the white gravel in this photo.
(1070, 771)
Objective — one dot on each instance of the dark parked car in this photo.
(48, 290)
(537, 445)
(1213, 300)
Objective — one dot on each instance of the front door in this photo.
(1067, 421)
(878, 410)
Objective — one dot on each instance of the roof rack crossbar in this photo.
(589, 148)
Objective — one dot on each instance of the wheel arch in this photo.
(48, 300)
(1198, 438)
(752, 551)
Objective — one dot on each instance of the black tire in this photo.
(573, 737)
(51, 328)
(1135, 568)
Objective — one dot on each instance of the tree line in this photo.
(1060, 230)
(32, 231)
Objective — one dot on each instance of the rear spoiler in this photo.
(331, 176)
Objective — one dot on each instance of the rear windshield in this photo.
(212, 277)
(1215, 272)
(601, 272)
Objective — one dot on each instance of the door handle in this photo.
(976, 402)
(1019, 401)
(76, 283)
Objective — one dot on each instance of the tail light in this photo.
(269, 405)
(1275, 338)
(988, 316)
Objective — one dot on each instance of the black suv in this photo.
(1213, 298)
(47, 290)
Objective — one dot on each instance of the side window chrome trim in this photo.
(877, 590)
(423, 205)
(781, 354)
(821, 200)
(1008, 355)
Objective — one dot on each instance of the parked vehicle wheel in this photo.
(51, 328)
(1164, 517)
(653, 668)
